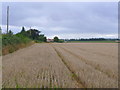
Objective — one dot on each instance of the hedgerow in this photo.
(14, 40)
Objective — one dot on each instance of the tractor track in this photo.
(88, 63)
(80, 84)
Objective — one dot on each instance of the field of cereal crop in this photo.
(62, 65)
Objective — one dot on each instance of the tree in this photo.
(56, 39)
(33, 34)
(61, 40)
(10, 33)
(45, 39)
(0, 31)
(23, 30)
(42, 38)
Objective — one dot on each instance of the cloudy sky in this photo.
(64, 19)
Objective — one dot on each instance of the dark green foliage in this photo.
(45, 39)
(56, 39)
(0, 30)
(10, 33)
(91, 39)
(42, 38)
(33, 34)
(61, 41)
(22, 37)
(23, 30)
(14, 40)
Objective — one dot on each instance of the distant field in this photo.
(91, 42)
(62, 65)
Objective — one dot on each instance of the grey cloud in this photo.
(88, 17)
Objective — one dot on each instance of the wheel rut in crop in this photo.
(79, 83)
(96, 67)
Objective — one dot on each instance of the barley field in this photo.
(62, 65)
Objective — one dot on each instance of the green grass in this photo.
(105, 41)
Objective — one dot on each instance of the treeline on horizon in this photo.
(12, 42)
(92, 39)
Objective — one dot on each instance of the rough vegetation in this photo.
(12, 42)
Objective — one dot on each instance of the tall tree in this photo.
(56, 39)
(10, 33)
(33, 33)
(45, 39)
(23, 30)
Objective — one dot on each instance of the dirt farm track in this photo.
(62, 65)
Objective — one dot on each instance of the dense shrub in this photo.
(56, 39)
(11, 43)
(14, 40)
(61, 41)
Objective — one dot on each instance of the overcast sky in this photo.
(64, 19)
